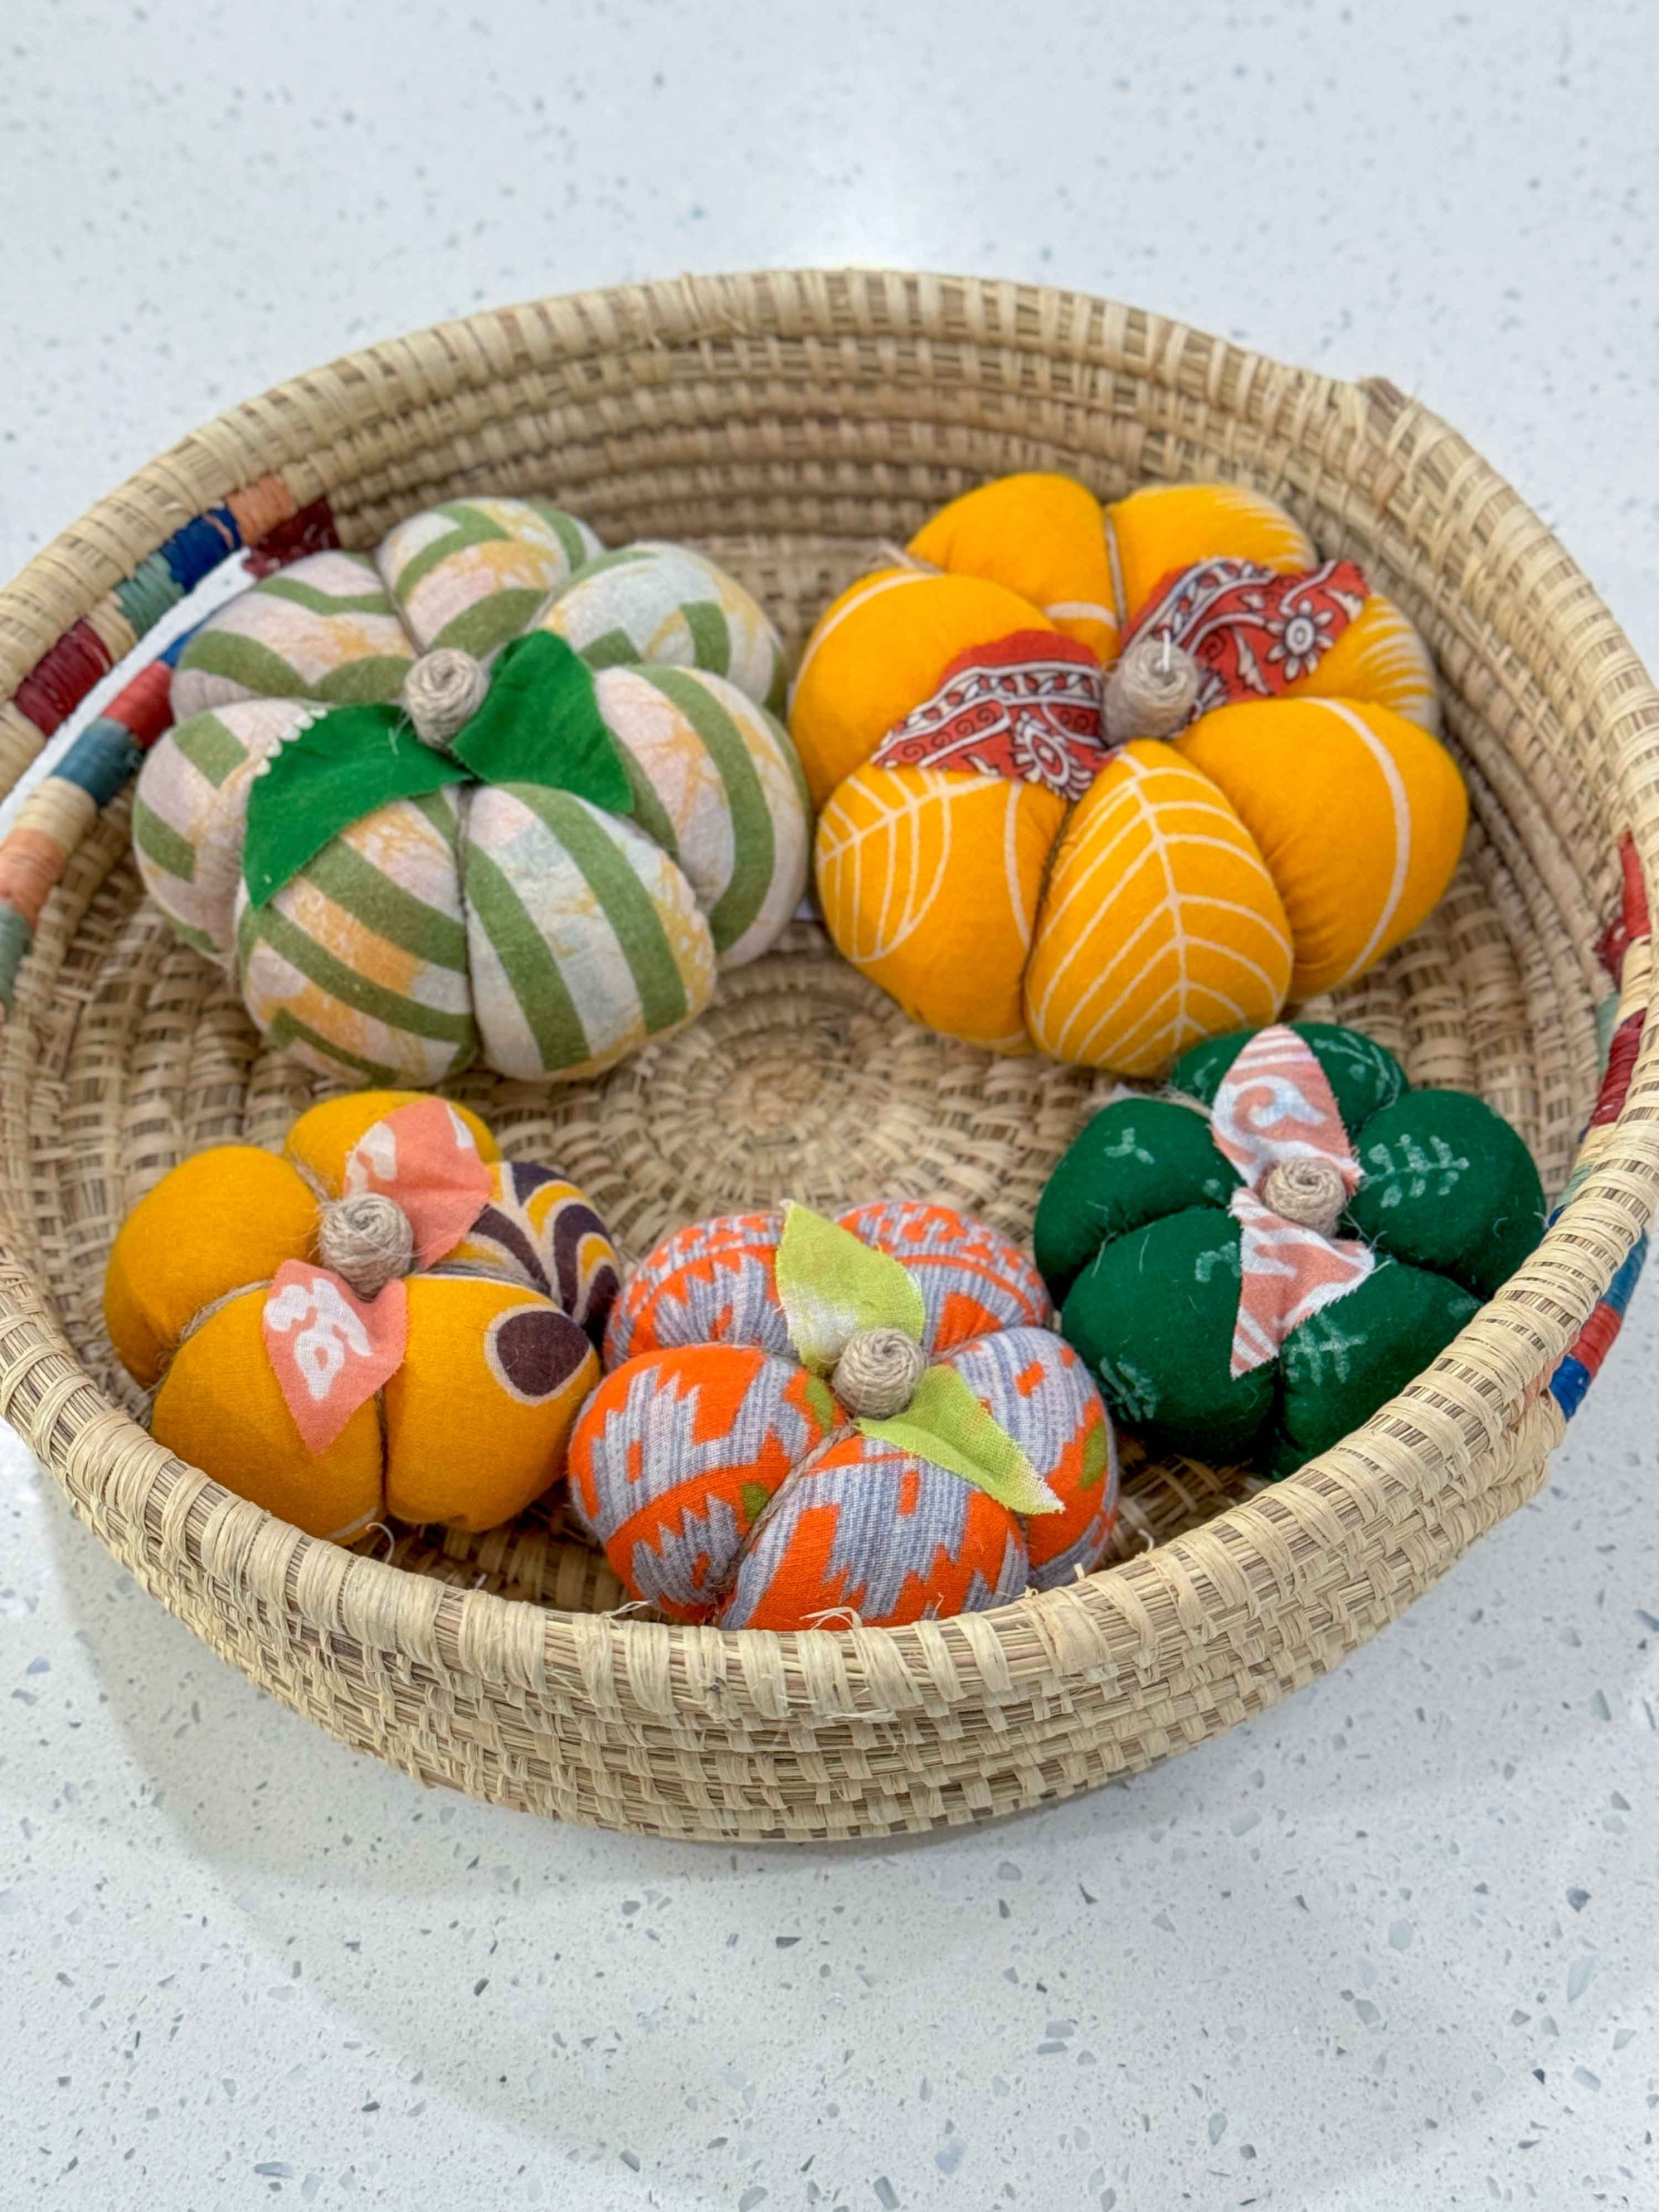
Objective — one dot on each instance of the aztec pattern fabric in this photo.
(440, 1385)
(730, 1480)
(1029, 844)
(502, 919)
(1253, 1263)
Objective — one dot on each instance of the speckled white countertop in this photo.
(1397, 1941)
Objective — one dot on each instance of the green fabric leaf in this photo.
(945, 1423)
(832, 1284)
(327, 775)
(540, 723)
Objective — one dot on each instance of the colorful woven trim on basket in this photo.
(262, 521)
(1581, 1365)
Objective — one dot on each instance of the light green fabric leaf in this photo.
(945, 1422)
(832, 1284)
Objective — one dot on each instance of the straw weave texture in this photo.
(789, 423)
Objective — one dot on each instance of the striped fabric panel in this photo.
(472, 573)
(718, 786)
(361, 962)
(586, 938)
(324, 629)
(657, 602)
(190, 814)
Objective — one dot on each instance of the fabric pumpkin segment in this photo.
(804, 1421)
(1253, 1263)
(1103, 782)
(562, 801)
(388, 1319)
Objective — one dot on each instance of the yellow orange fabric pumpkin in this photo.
(1008, 845)
(334, 1380)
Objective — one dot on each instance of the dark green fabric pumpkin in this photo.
(1139, 1251)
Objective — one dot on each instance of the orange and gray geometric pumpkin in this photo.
(726, 1468)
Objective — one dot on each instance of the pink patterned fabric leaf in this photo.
(331, 1349)
(424, 1158)
(1275, 1106)
(1027, 707)
(1286, 1272)
(1251, 632)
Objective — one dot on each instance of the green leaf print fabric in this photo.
(1135, 1240)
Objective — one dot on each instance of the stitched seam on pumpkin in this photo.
(1389, 769)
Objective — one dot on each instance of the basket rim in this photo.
(1483, 1394)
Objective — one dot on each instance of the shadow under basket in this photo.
(789, 423)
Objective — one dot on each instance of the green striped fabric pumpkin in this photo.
(513, 922)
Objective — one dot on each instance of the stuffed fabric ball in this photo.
(1252, 1265)
(492, 792)
(388, 1319)
(1101, 783)
(807, 1420)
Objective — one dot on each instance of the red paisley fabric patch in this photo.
(1027, 707)
(1253, 633)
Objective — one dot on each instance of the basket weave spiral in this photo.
(790, 422)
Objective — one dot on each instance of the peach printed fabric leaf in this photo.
(832, 1285)
(1275, 1106)
(331, 1349)
(1287, 1272)
(423, 1156)
(945, 1425)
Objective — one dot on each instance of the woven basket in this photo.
(789, 422)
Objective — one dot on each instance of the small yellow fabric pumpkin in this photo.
(388, 1319)
(1011, 849)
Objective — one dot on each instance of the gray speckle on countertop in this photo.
(1394, 1940)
